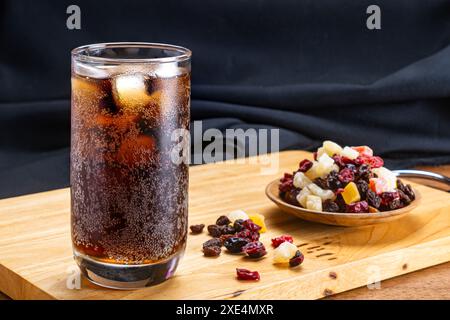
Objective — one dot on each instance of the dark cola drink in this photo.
(129, 199)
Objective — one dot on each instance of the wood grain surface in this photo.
(35, 251)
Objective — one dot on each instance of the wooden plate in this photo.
(338, 219)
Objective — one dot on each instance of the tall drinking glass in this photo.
(129, 199)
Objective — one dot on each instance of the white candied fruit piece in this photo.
(301, 197)
(320, 152)
(326, 160)
(388, 176)
(284, 252)
(236, 215)
(318, 191)
(300, 180)
(312, 172)
(331, 148)
(349, 153)
(314, 203)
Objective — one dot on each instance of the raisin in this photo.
(235, 244)
(250, 225)
(211, 251)
(224, 237)
(222, 221)
(346, 175)
(283, 238)
(373, 199)
(407, 190)
(214, 230)
(321, 183)
(351, 166)
(237, 225)
(395, 204)
(291, 196)
(363, 187)
(297, 259)
(215, 242)
(363, 172)
(305, 165)
(341, 203)
(255, 249)
(358, 207)
(333, 182)
(404, 197)
(197, 228)
(330, 206)
(244, 274)
(227, 229)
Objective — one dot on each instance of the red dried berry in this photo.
(388, 197)
(247, 234)
(255, 249)
(358, 207)
(250, 225)
(373, 162)
(346, 175)
(297, 259)
(305, 165)
(245, 274)
(279, 240)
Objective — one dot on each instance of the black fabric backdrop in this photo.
(309, 67)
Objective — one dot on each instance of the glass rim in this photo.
(80, 53)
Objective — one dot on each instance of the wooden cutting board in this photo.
(36, 257)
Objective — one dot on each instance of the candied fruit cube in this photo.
(318, 191)
(237, 215)
(313, 203)
(388, 176)
(259, 220)
(284, 252)
(349, 153)
(312, 173)
(301, 197)
(331, 148)
(351, 193)
(301, 180)
(364, 151)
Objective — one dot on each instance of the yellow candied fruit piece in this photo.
(258, 219)
(351, 193)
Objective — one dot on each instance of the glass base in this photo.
(126, 277)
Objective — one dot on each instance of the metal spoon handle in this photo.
(423, 174)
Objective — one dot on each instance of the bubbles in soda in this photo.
(129, 201)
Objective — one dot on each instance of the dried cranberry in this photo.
(235, 244)
(211, 251)
(255, 249)
(238, 225)
(387, 197)
(346, 175)
(223, 221)
(339, 161)
(373, 199)
(297, 259)
(280, 239)
(305, 165)
(330, 206)
(197, 228)
(358, 207)
(286, 186)
(373, 162)
(245, 274)
(247, 234)
(214, 230)
(250, 225)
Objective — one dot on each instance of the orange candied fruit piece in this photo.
(351, 193)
